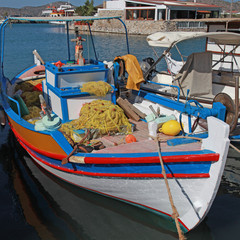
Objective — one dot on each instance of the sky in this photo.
(35, 3)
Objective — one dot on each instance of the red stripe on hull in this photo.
(210, 157)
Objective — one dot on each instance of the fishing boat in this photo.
(207, 76)
(78, 121)
(63, 11)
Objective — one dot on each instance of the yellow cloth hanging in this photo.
(135, 75)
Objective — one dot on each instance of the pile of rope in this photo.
(27, 86)
(102, 115)
(34, 112)
(29, 94)
(31, 98)
(99, 88)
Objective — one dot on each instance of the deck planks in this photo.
(117, 144)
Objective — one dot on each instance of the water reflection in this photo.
(231, 178)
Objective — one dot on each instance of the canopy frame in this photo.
(49, 19)
(217, 37)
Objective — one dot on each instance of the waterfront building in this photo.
(162, 10)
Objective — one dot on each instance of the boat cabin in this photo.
(62, 87)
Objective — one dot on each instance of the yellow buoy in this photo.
(171, 127)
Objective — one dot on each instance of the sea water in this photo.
(36, 205)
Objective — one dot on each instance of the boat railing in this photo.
(167, 85)
(17, 104)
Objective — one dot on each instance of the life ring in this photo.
(230, 117)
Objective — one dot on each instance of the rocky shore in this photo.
(144, 27)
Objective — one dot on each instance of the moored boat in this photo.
(208, 76)
(106, 164)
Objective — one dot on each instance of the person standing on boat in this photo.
(79, 51)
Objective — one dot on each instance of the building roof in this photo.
(175, 3)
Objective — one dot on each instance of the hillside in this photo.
(27, 11)
(36, 11)
(224, 4)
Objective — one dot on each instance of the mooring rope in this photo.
(235, 148)
(175, 214)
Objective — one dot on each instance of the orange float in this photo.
(130, 138)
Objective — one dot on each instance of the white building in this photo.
(163, 10)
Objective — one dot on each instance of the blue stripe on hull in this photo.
(153, 168)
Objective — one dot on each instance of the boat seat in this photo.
(196, 75)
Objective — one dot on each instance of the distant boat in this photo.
(47, 12)
(65, 10)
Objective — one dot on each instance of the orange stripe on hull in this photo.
(40, 141)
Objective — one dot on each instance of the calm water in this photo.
(35, 205)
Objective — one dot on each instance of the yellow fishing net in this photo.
(31, 98)
(34, 112)
(28, 85)
(99, 88)
(98, 114)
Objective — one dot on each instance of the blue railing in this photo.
(17, 103)
(167, 85)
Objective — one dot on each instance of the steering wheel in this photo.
(227, 101)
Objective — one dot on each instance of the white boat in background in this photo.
(209, 76)
(65, 10)
(47, 12)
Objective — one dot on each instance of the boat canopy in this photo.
(67, 19)
(170, 39)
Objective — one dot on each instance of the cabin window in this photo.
(215, 14)
(129, 14)
(176, 14)
(151, 14)
(140, 14)
(161, 14)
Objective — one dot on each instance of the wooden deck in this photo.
(117, 143)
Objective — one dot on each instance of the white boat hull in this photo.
(193, 197)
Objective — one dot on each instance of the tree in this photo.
(5, 14)
(87, 9)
